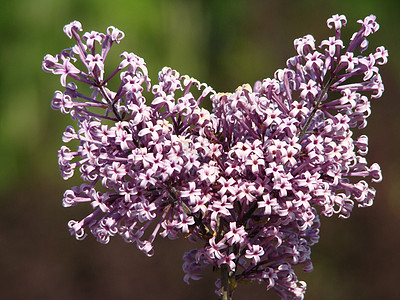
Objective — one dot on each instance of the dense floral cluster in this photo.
(248, 179)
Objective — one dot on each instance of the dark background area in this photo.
(222, 43)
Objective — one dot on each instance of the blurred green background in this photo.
(223, 43)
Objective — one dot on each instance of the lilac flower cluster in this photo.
(248, 180)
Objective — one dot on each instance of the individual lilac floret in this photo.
(249, 179)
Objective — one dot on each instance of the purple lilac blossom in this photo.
(248, 180)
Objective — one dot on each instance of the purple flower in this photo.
(72, 28)
(235, 235)
(248, 179)
(254, 253)
(338, 21)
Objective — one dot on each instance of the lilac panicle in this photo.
(249, 179)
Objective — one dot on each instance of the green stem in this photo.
(316, 107)
(226, 293)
